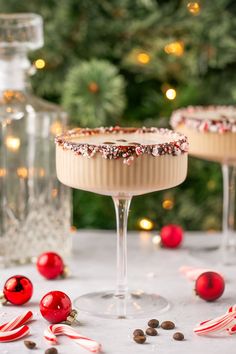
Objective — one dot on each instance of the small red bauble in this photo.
(50, 265)
(209, 286)
(56, 307)
(171, 236)
(18, 290)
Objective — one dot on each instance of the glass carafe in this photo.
(34, 206)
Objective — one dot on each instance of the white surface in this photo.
(150, 269)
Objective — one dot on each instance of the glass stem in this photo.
(122, 209)
(228, 223)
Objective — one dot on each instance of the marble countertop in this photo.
(151, 269)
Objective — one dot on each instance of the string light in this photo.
(22, 172)
(146, 224)
(175, 48)
(3, 172)
(143, 58)
(12, 143)
(56, 128)
(170, 94)
(54, 192)
(40, 63)
(167, 204)
(194, 8)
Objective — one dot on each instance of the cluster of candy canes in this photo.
(57, 329)
(227, 322)
(16, 328)
(192, 273)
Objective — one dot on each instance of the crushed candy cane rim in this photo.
(222, 121)
(179, 144)
(54, 330)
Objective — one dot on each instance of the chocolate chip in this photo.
(153, 323)
(51, 351)
(151, 331)
(168, 325)
(138, 332)
(140, 339)
(178, 336)
(29, 344)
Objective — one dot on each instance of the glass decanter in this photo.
(34, 206)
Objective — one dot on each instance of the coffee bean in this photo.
(29, 344)
(151, 331)
(168, 325)
(138, 339)
(138, 332)
(51, 351)
(153, 323)
(178, 336)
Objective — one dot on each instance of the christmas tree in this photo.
(133, 62)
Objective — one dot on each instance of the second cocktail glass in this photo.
(121, 163)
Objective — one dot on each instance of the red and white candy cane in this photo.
(192, 273)
(226, 322)
(16, 328)
(53, 330)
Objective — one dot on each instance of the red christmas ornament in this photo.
(56, 307)
(50, 265)
(171, 236)
(209, 286)
(17, 290)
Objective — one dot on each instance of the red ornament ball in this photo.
(18, 290)
(50, 265)
(171, 236)
(55, 306)
(209, 286)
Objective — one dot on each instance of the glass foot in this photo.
(135, 304)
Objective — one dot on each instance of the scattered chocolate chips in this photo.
(151, 331)
(138, 332)
(51, 351)
(168, 325)
(29, 344)
(137, 339)
(178, 336)
(153, 323)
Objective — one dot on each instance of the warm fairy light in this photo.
(12, 143)
(146, 224)
(39, 63)
(167, 204)
(171, 94)
(175, 48)
(211, 184)
(54, 192)
(41, 172)
(194, 7)
(156, 240)
(143, 58)
(3, 172)
(73, 228)
(56, 128)
(22, 172)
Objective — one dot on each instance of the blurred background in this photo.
(132, 62)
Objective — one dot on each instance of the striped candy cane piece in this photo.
(10, 336)
(53, 330)
(225, 322)
(17, 322)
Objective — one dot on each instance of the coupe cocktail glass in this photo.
(211, 131)
(121, 163)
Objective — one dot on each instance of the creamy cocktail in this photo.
(121, 162)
